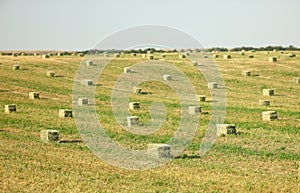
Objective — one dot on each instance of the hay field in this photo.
(262, 157)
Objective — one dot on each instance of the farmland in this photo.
(262, 157)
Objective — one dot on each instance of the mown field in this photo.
(262, 157)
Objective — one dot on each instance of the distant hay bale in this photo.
(225, 129)
(50, 73)
(268, 92)
(16, 67)
(250, 56)
(127, 70)
(274, 50)
(144, 55)
(14, 54)
(117, 55)
(267, 52)
(149, 52)
(291, 55)
(59, 54)
(80, 54)
(133, 54)
(150, 57)
(34, 95)
(201, 98)
(167, 77)
(11, 108)
(215, 56)
(212, 85)
(132, 121)
(246, 73)
(163, 55)
(194, 110)
(159, 151)
(181, 56)
(83, 101)
(269, 115)
(45, 56)
(63, 113)
(242, 53)
(297, 80)
(36, 54)
(264, 103)
(227, 56)
(87, 82)
(134, 105)
(136, 90)
(272, 59)
(89, 63)
(49, 135)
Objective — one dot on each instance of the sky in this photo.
(82, 24)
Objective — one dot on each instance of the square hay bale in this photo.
(212, 85)
(34, 95)
(11, 108)
(87, 82)
(227, 56)
(194, 110)
(50, 73)
(89, 63)
(269, 115)
(264, 103)
(225, 129)
(181, 56)
(49, 135)
(268, 92)
(16, 67)
(246, 73)
(150, 57)
(83, 101)
(297, 80)
(134, 105)
(137, 90)
(291, 55)
(159, 150)
(127, 70)
(215, 56)
(272, 59)
(132, 121)
(63, 113)
(250, 56)
(45, 56)
(201, 98)
(167, 77)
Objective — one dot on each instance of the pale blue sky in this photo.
(79, 24)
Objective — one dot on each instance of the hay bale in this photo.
(34, 95)
(132, 121)
(11, 108)
(201, 98)
(272, 59)
(250, 56)
(134, 105)
(167, 77)
(291, 55)
(83, 101)
(50, 73)
(127, 70)
(268, 92)
(264, 103)
(227, 56)
(144, 55)
(150, 57)
(194, 110)
(242, 53)
(159, 150)
(181, 56)
(80, 54)
(215, 56)
(296, 80)
(149, 52)
(212, 85)
(63, 113)
(59, 54)
(269, 115)
(49, 135)
(137, 90)
(87, 82)
(16, 67)
(163, 55)
(225, 129)
(246, 73)
(133, 54)
(14, 54)
(89, 63)
(45, 56)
